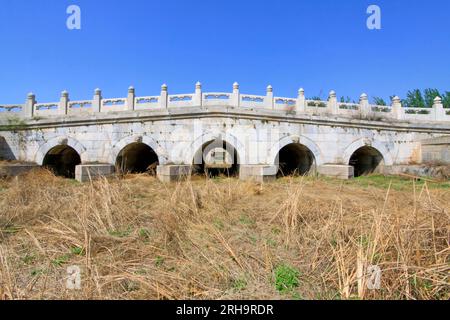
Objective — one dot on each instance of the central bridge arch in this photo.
(134, 154)
(306, 150)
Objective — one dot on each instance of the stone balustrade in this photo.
(298, 106)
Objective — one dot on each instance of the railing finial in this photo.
(269, 88)
(437, 100)
(164, 87)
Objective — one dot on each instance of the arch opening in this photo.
(216, 158)
(137, 158)
(366, 160)
(295, 159)
(62, 160)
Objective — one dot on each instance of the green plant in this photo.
(414, 99)
(120, 233)
(286, 278)
(429, 96)
(379, 101)
(144, 233)
(159, 261)
(78, 251)
(60, 261)
(239, 284)
(446, 99)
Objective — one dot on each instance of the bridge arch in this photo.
(51, 144)
(149, 141)
(364, 142)
(367, 156)
(306, 143)
(206, 138)
(61, 155)
(136, 153)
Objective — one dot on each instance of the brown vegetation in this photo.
(136, 238)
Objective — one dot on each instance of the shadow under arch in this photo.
(62, 161)
(5, 150)
(366, 160)
(135, 158)
(295, 159)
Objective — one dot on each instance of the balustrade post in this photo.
(30, 104)
(364, 105)
(64, 103)
(236, 98)
(269, 98)
(97, 101)
(131, 98)
(397, 109)
(301, 101)
(164, 102)
(439, 111)
(332, 103)
(198, 95)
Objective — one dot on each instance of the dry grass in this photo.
(221, 239)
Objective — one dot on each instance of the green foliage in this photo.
(78, 251)
(60, 261)
(379, 101)
(446, 99)
(429, 96)
(159, 261)
(417, 99)
(345, 100)
(286, 278)
(239, 284)
(414, 99)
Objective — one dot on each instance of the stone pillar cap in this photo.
(235, 85)
(269, 88)
(164, 87)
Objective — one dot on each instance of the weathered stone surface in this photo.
(88, 172)
(172, 173)
(258, 173)
(177, 127)
(15, 169)
(343, 172)
(436, 150)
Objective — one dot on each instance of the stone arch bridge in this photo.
(263, 136)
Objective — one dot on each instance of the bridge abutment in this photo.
(173, 173)
(258, 173)
(88, 172)
(337, 171)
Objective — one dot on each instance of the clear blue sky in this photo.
(319, 45)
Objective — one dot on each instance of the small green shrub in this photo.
(286, 278)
